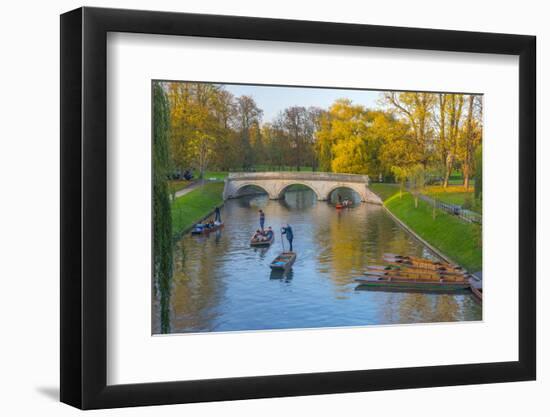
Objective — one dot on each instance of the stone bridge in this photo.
(275, 184)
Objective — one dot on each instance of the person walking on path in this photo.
(289, 235)
(218, 215)
(262, 219)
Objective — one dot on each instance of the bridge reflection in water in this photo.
(221, 284)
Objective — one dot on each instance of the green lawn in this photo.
(190, 208)
(457, 239)
(384, 190)
(217, 175)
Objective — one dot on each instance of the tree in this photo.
(416, 109)
(162, 220)
(417, 181)
(248, 113)
(469, 139)
(450, 114)
(345, 140)
(478, 186)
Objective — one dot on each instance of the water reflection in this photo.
(220, 283)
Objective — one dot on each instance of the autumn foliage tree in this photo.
(408, 135)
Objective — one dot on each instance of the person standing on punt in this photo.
(289, 235)
(218, 215)
(262, 219)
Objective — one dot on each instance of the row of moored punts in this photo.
(408, 273)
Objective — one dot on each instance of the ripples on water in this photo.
(220, 283)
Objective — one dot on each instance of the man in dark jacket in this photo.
(289, 235)
(262, 219)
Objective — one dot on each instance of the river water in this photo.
(220, 283)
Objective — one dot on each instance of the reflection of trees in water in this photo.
(352, 239)
(421, 307)
(196, 289)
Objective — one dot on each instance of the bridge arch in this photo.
(281, 192)
(355, 188)
(241, 187)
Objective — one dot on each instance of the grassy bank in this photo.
(455, 238)
(193, 206)
(384, 191)
(215, 175)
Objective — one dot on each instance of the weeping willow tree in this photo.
(478, 176)
(162, 220)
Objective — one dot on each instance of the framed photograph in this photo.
(256, 208)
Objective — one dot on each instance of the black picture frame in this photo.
(84, 207)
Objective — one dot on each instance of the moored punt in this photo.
(284, 261)
(390, 283)
(420, 262)
(203, 229)
(424, 275)
(259, 242)
(415, 272)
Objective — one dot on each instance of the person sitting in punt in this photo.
(269, 233)
(257, 235)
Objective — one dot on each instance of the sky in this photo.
(272, 100)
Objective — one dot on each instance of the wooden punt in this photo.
(425, 275)
(420, 262)
(416, 272)
(266, 242)
(390, 283)
(284, 261)
(200, 230)
(344, 205)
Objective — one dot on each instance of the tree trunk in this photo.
(446, 178)
(448, 171)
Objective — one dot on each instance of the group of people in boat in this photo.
(344, 202)
(209, 225)
(263, 234)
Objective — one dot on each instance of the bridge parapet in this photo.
(299, 176)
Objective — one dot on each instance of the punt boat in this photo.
(412, 272)
(284, 261)
(420, 262)
(259, 243)
(344, 204)
(399, 283)
(204, 229)
(417, 276)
